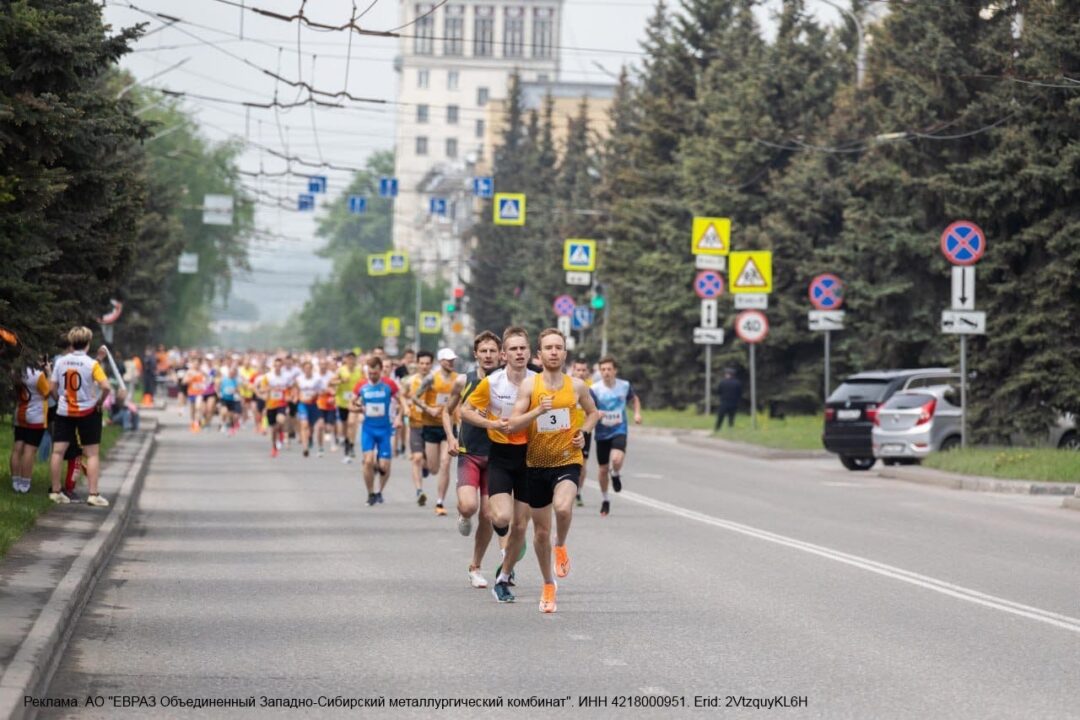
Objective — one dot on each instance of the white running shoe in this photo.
(96, 501)
(346, 460)
(476, 579)
(464, 525)
(59, 498)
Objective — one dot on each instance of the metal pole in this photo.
(963, 391)
(708, 380)
(416, 332)
(603, 330)
(753, 389)
(828, 333)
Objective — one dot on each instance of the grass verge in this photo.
(795, 432)
(18, 511)
(1042, 464)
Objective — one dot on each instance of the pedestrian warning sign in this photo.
(751, 272)
(509, 208)
(711, 236)
(579, 255)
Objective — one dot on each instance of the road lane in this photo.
(241, 576)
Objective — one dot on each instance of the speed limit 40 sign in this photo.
(751, 326)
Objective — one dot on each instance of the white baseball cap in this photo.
(447, 354)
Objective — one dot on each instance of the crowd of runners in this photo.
(517, 426)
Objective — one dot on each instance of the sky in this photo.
(218, 50)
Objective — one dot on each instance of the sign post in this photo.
(752, 326)
(827, 295)
(708, 285)
(963, 243)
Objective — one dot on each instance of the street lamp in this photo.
(860, 50)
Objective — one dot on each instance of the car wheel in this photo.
(1069, 441)
(857, 463)
(950, 443)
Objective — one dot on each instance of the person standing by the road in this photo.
(80, 387)
(471, 446)
(557, 410)
(730, 390)
(612, 394)
(31, 418)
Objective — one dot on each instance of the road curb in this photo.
(41, 650)
(1071, 503)
(748, 450)
(927, 476)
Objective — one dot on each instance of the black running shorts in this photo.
(29, 436)
(88, 428)
(272, 415)
(434, 434)
(506, 471)
(543, 481)
(604, 448)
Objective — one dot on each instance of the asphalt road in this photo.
(715, 575)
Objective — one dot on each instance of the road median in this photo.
(49, 575)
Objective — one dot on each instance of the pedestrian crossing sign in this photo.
(430, 322)
(376, 264)
(711, 236)
(579, 255)
(750, 272)
(397, 261)
(391, 327)
(509, 208)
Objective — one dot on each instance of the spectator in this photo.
(730, 390)
(122, 412)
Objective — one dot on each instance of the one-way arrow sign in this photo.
(963, 287)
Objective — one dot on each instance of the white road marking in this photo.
(841, 483)
(940, 586)
(580, 638)
(647, 476)
(612, 662)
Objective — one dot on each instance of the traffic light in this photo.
(598, 300)
(450, 306)
(459, 292)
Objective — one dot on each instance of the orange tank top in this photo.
(551, 435)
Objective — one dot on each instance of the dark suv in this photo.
(852, 407)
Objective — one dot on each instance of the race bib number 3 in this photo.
(375, 410)
(611, 418)
(554, 421)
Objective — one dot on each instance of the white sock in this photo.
(605, 496)
(503, 577)
(440, 502)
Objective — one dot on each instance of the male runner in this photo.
(348, 376)
(611, 395)
(416, 423)
(433, 395)
(400, 373)
(277, 386)
(580, 370)
(471, 448)
(308, 386)
(372, 400)
(327, 407)
(489, 406)
(557, 410)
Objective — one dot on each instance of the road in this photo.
(716, 575)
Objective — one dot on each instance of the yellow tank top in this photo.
(551, 435)
(438, 395)
(416, 415)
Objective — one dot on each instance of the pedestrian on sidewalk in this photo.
(730, 390)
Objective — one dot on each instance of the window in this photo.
(513, 32)
(454, 24)
(483, 31)
(481, 96)
(421, 113)
(451, 147)
(421, 145)
(480, 128)
(452, 80)
(424, 43)
(543, 32)
(451, 114)
(423, 78)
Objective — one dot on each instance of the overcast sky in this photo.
(222, 48)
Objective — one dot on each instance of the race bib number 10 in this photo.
(554, 421)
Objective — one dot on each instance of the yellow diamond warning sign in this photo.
(750, 272)
(711, 236)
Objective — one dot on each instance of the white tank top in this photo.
(76, 377)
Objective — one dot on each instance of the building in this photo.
(455, 58)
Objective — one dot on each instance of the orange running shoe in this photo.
(562, 561)
(440, 510)
(547, 598)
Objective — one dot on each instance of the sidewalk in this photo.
(47, 577)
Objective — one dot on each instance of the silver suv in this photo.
(914, 423)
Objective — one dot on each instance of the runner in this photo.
(612, 394)
(195, 380)
(580, 370)
(277, 387)
(308, 387)
(489, 406)
(229, 391)
(557, 410)
(348, 376)
(416, 423)
(433, 395)
(381, 417)
(31, 418)
(291, 371)
(80, 386)
(327, 407)
(471, 446)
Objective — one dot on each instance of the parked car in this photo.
(1065, 435)
(852, 407)
(914, 423)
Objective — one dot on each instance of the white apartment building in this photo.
(454, 60)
